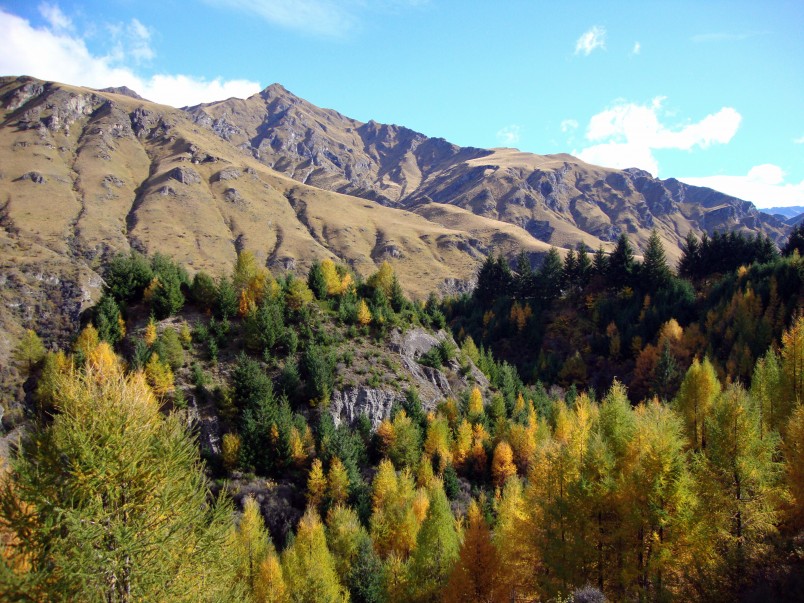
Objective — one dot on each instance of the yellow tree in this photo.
(696, 395)
(308, 566)
(29, 351)
(502, 464)
(114, 500)
(475, 406)
(393, 521)
(316, 485)
(794, 464)
(251, 544)
(363, 313)
(383, 279)
(159, 376)
(337, 482)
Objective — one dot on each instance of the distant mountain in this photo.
(88, 173)
(787, 212)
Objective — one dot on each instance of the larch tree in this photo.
(308, 566)
(502, 463)
(698, 392)
(251, 544)
(112, 499)
(437, 548)
(794, 464)
(477, 574)
(29, 351)
(740, 481)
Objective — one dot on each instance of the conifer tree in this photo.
(308, 566)
(316, 485)
(437, 548)
(476, 575)
(697, 393)
(112, 500)
(550, 276)
(337, 482)
(502, 464)
(654, 271)
(794, 464)
(344, 535)
(621, 264)
(29, 352)
(251, 544)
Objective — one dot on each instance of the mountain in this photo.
(556, 198)
(791, 215)
(88, 173)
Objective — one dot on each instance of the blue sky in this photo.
(708, 92)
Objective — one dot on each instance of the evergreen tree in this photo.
(108, 319)
(550, 275)
(655, 272)
(525, 278)
(689, 266)
(316, 281)
(795, 241)
(600, 263)
(621, 264)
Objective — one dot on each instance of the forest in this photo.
(634, 432)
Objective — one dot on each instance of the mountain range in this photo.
(85, 174)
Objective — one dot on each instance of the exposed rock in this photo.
(124, 90)
(34, 177)
(209, 429)
(112, 180)
(232, 195)
(347, 406)
(226, 174)
(166, 190)
(185, 175)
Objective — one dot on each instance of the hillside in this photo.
(87, 173)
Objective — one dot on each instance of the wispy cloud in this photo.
(54, 52)
(320, 18)
(764, 185)
(591, 40)
(569, 125)
(799, 140)
(626, 134)
(57, 20)
(637, 48)
(509, 135)
(327, 18)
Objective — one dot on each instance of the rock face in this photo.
(432, 385)
(347, 406)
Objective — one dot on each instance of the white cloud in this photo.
(568, 125)
(637, 48)
(799, 140)
(626, 134)
(591, 40)
(52, 53)
(509, 135)
(764, 185)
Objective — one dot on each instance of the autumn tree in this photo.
(698, 392)
(437, 548)
(477, 574)
(502, 463)
(112, 499)
(308, 566)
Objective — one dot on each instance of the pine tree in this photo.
(550, 276)
(793, 448)
(655, 272)
(621, 266)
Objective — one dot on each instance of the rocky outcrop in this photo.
(347, 406)
(185, 175)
